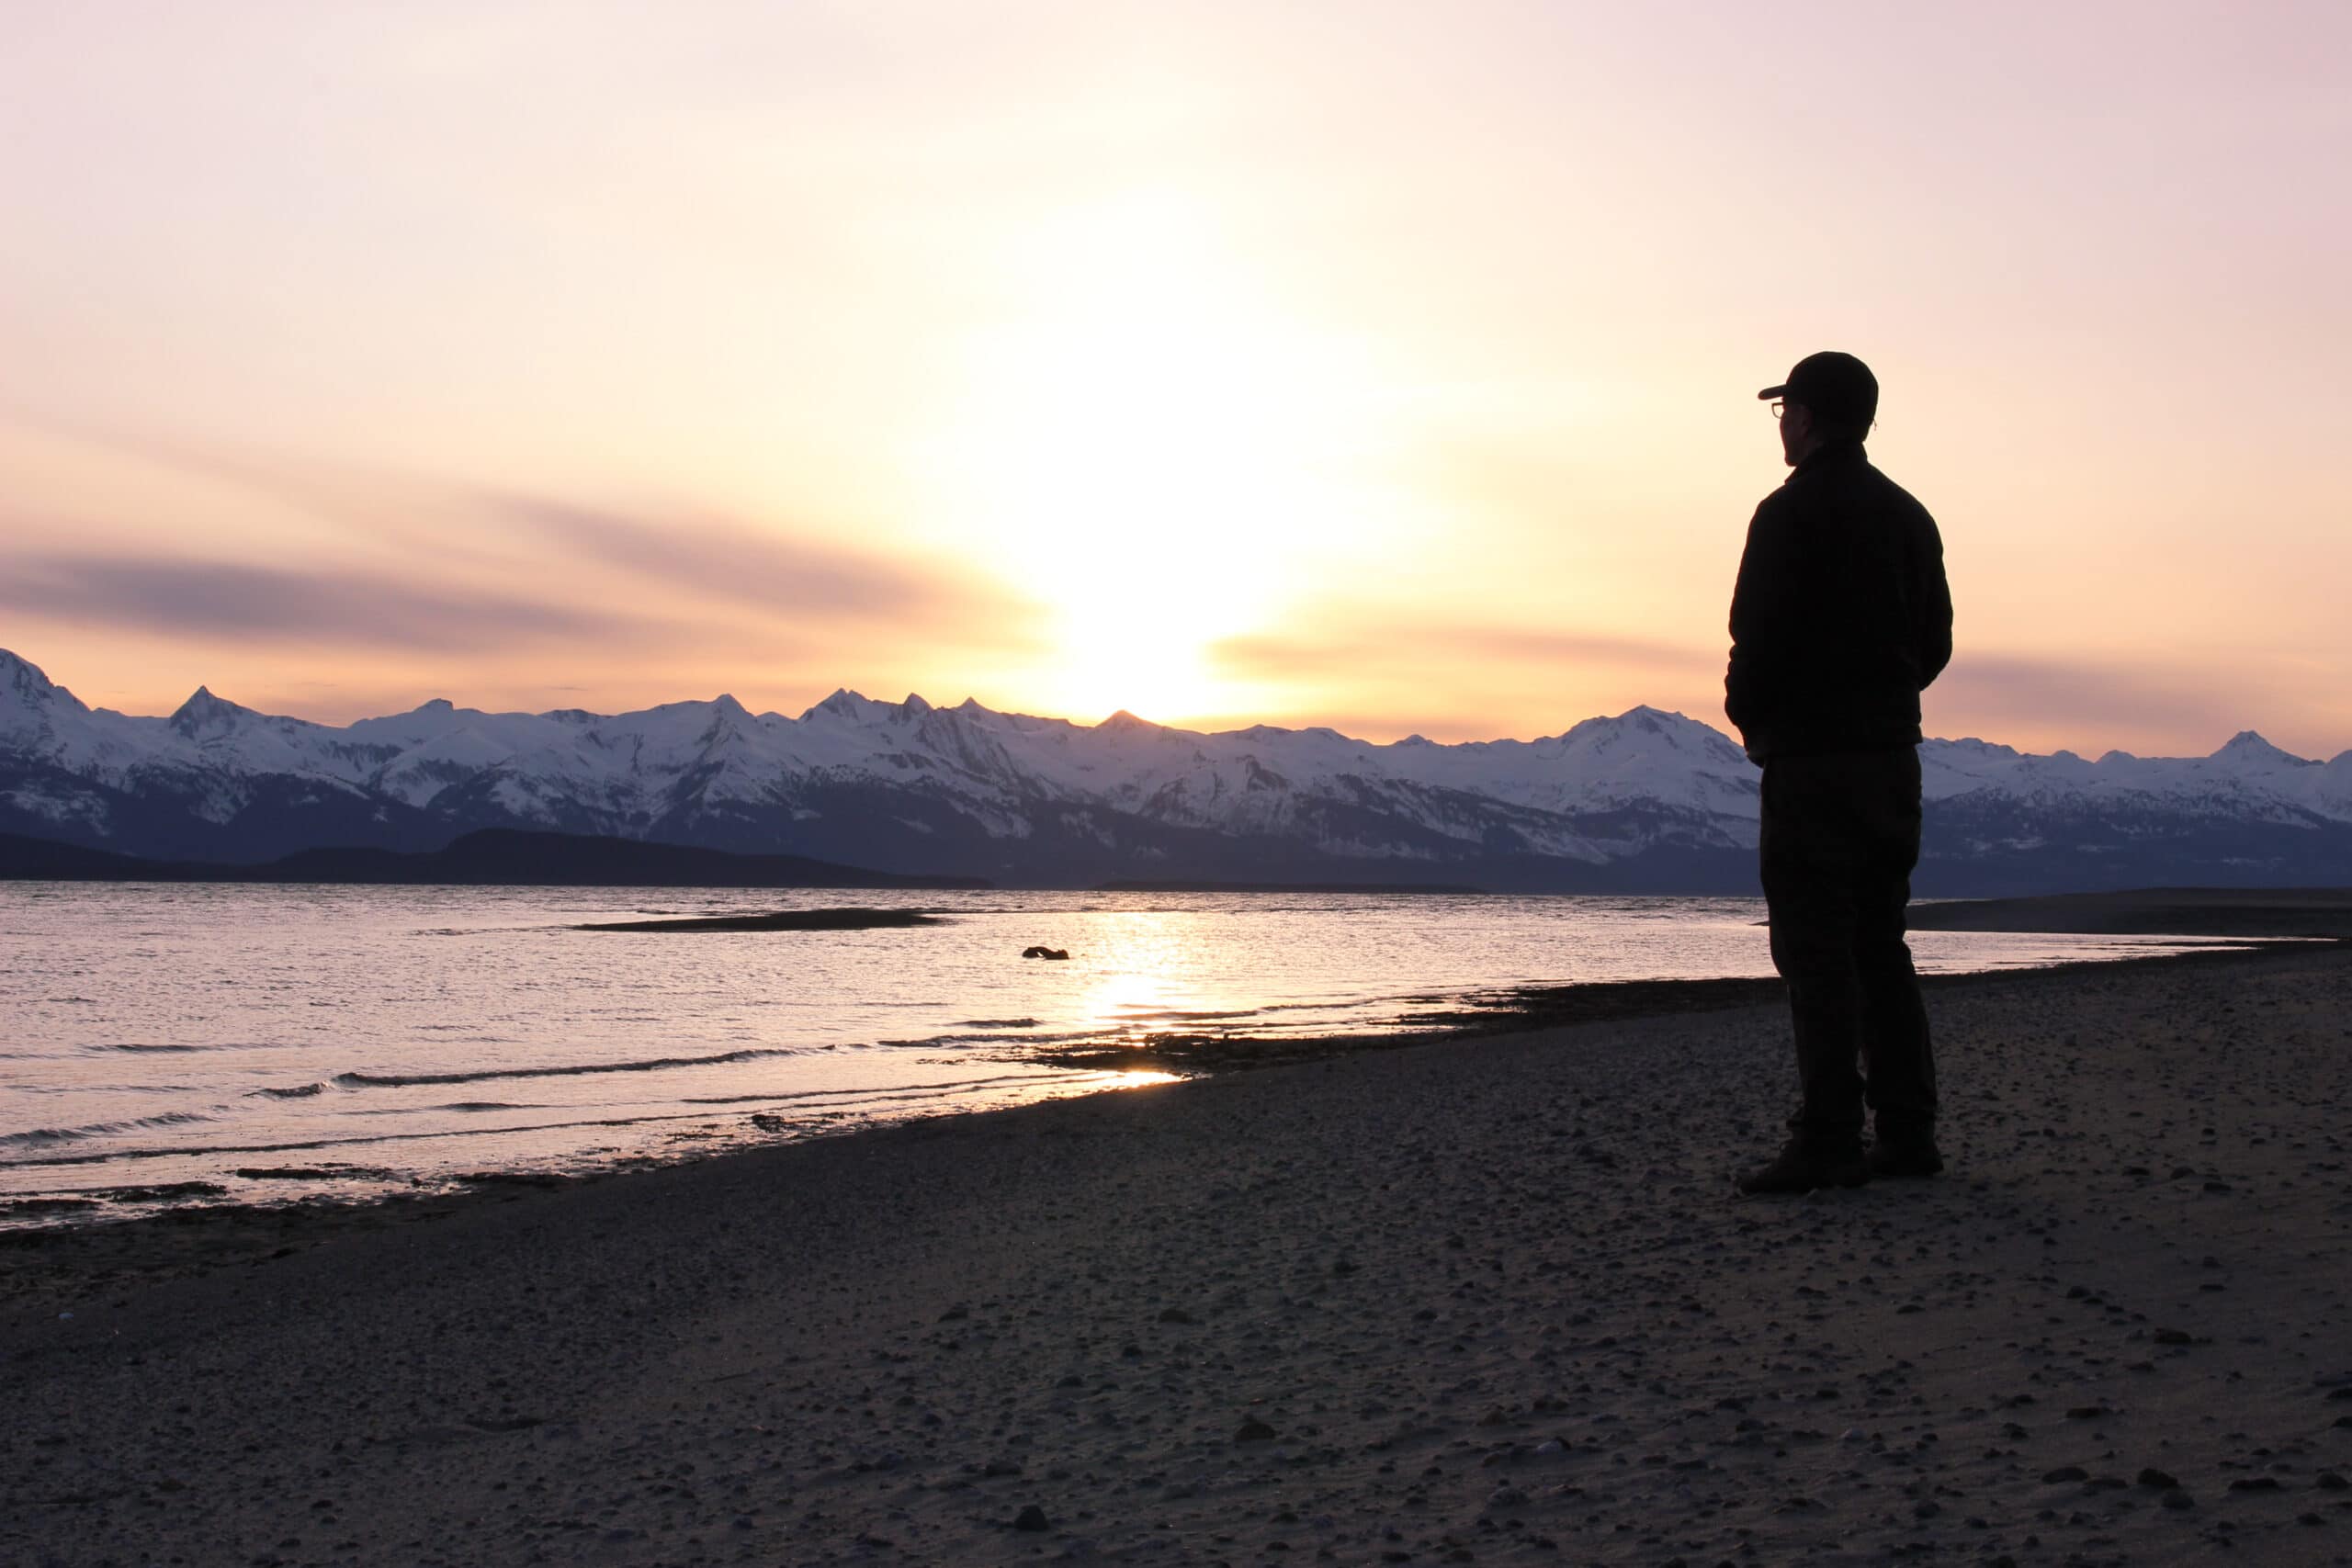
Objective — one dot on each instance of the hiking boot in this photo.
(1801, 1166)
(1905, 1158)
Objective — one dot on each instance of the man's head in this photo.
(1828, 397)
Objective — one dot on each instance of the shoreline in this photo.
(200, 1235)
(1464, 1018)
(1460, 1019)
(1396, 1306)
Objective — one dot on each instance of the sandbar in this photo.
(777, 920)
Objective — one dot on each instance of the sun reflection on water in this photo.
(1143, 977)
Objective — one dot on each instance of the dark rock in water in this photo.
(2254, 1484)
(1032, 1517)
(781, 920)
(1045, 952)
(2158, 1481)
(1254, 1431)
(2065, 1472)
(1177, 1314)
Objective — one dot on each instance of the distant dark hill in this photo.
(494, 857)
(45, 860)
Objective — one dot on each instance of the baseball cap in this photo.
(1833, 385)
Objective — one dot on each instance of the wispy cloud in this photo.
(2090, 706)
(226, 600)
(540, 563)
(1291, 656)
(721, 559)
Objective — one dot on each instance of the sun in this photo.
(1153, 450)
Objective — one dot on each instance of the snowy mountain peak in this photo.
(437, 705)
(203, 712)
(2247, 747)
(1651, 730)
(1124, 720)
(915, 704)
(842, 704)
(24, 680)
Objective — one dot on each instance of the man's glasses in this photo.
(1779, 408)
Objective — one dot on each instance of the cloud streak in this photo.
(1294, 657)
(730, 562)
(2074, 703)
(219, 598)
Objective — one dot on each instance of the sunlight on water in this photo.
(271, 1041)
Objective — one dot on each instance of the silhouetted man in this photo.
(1840, 620)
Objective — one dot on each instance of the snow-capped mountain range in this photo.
(1643, 801)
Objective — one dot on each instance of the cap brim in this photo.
(1770, 393)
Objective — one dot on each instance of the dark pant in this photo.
(1840, 838)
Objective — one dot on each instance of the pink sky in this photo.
(1385, 366)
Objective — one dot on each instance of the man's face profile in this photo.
(1796, 426)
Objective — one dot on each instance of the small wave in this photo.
(484, 1105)
(871, 1091)
(998, 1023)
(304, 1092)
(43, 1137)
(1140, 1014)
(648, 1065)
(155, 1050)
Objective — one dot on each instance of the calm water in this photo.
(354, 1039)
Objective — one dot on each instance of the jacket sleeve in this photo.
(1758, 632)
(1932, 600)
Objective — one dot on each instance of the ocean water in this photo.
(278, 1043)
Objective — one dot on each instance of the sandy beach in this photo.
(1481, 1301)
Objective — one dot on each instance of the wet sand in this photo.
(1479, 1300)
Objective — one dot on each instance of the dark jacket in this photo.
(1842, 616)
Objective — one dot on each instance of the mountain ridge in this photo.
(1641, 801)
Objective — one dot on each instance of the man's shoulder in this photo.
(1859, 480)
(1893, 493)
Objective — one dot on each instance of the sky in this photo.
(1384, 366)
